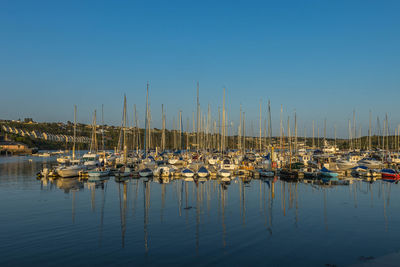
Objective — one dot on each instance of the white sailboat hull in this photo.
(70, 171)
(202, 174)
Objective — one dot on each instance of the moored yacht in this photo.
(71, 171)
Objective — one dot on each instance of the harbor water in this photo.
(247, 222)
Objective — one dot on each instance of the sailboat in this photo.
(92, 159)
(327, 175)
(203, 172)
(99, 172)
(390, 174)
(146, 172)
(77, 167)
(162, 171)
(266, 172)
(224, 173)
(124, 171)
(188, 173)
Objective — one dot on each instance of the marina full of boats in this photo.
(212, 155)
(194, 165)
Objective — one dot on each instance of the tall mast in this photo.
(369, 131)
(93, 143)
(290, 144)
(180, 130)
(350, 142)
(240, 131)
(149, 143)
(163, 129)
(174, 131)
(194, 130)
(187, 134)
(223, 123)
(208, 126)
(295, 132)
(398, 137)
(102, 127)
(354, 128)
(146, 122)
(265, 134)
(387, 133)
(125, 145)
(260, 130)
(313, 135)
(378, 126)
(95, 132)
(136, 130)
(335, 137)
(198, 118)
(269, 123)
(281, 131)
(383, 134)
(74, 146)
(244, 133)
(219, 130)
(325, 131)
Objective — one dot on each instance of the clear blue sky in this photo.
(320, 58)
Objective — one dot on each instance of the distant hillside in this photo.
(59, 136)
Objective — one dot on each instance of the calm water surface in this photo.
(144, 222)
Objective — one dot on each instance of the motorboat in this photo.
(371, 163)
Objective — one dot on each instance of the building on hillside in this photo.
(13, 146)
